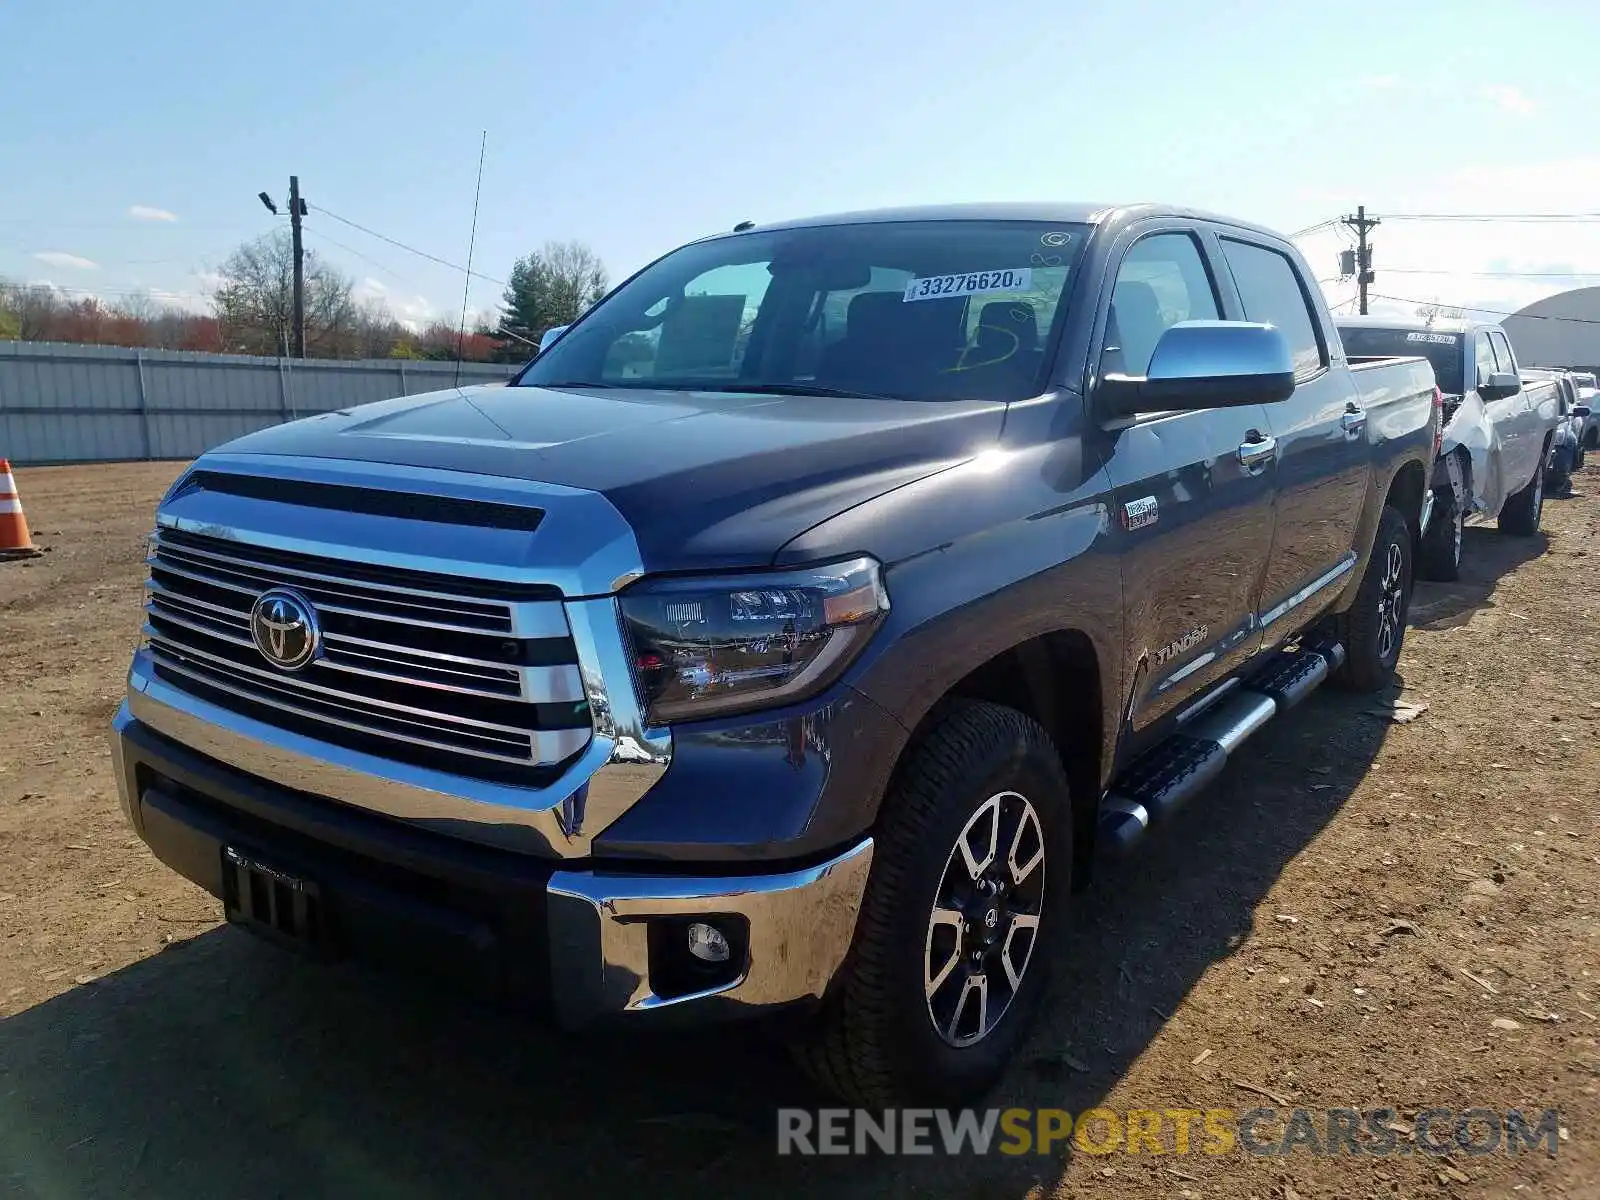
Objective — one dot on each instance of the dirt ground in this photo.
(1341, 921)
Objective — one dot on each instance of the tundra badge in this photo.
(1136, 514)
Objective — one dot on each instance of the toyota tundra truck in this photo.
(792, 635)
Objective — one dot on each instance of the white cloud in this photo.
(209, 281)
(187, 301)
(143, 212)
(414, 312)
(1377, 83)
(1511, 99)
(60, 258)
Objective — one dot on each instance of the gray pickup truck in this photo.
(1497, 433)
(791, 634)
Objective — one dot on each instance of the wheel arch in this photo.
(1055, 678)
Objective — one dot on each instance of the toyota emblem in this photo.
(283, 626)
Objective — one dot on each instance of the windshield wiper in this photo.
(801, 389)
(759, 389)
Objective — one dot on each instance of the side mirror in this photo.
(1581, 410)
(1499, 385)
(1206, 364)
(549, 337)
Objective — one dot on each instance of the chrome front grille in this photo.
(423, 668)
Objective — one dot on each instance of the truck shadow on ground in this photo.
(1487, 555)
(222, 1066)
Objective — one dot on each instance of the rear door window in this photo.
(1271, 290)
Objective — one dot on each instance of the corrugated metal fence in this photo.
(64, 403)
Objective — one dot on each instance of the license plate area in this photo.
(275, 903)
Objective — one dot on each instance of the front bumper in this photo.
(591, 941)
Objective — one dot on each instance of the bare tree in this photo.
(32, 310)
(255, 301)
(138, 306)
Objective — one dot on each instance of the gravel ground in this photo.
(1361, 913)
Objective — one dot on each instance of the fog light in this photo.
(707, 943)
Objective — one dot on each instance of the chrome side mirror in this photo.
(1206, 364)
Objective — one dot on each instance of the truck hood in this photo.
(706, 479)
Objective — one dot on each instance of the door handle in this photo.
(1257, 452)
(1353, 422)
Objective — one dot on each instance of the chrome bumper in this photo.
(796, 926)
(800, 926)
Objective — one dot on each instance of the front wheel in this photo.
(1375, 627)
(971, 875)
(1521, 514)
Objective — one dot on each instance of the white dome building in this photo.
(1559, 331)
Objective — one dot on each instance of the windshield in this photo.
(920, 310)
(1443, 350)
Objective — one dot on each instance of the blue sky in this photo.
(635, 127)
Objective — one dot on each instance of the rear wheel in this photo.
(1520, 516)
(1440, 556)
(970, 881)
(1375, 627)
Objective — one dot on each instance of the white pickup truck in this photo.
(1497, 434)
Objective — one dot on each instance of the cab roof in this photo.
(1067, 212)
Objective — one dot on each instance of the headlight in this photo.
(709, 645)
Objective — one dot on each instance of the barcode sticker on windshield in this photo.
(1444, 339)
(936, 287)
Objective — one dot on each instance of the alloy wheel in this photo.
(1391, 601)
(984, 924)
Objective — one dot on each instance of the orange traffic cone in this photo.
(14, 539)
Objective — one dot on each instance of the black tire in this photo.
(1591, 438)
(875, 1043)
(1558, 475)
(1440, 556)
(1374, 629)
(1520, 515)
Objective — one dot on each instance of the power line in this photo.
(408, 249)
(72, 291)
(1558, 218)
(1493, 312)
(1313, 228)
(319, 235)
(1496, 274)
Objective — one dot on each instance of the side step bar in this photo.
(1158, 783)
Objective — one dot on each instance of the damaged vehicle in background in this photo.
(1497, 433)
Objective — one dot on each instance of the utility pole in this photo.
(297, 209)
(1361, 223)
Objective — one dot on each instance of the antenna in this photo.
(472, 242)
